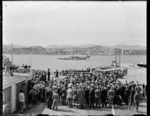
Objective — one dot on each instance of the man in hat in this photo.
(80, 96)
(138, 89)
(97, 97)
(92, 97)
(103, 96)
(46, 90)
(55, 100)
(127, 95)
(70, 96)
(118, 95)
(48, 73)
(56, 74)
(111, 94)
(137, 98)
(87, 96)
(75, 95)
(132, 96)
(49, 95)
(63, 95)
(59, 92)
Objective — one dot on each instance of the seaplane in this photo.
(144, 65)
(76, 57)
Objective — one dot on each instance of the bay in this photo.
(51, 61)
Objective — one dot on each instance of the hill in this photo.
(75, 50)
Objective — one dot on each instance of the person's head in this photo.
(55, 90)
(21, 91)
(133, 82)
(70, 87)
(97, 87)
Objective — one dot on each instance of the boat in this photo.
(142, 65)
(75, 58)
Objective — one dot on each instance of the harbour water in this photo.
(51, 61)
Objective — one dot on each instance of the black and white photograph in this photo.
(74, 58)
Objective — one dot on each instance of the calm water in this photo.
(51, 61)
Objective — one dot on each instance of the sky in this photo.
(47, 23)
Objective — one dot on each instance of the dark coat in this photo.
(49, 95)
(63, 92)
(127, 93)
(87, 94)
(103, 93)
(97, 94)
(91, 95)
(81, 96)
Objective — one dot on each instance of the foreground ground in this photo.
(40, 108)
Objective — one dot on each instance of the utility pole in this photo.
(12, 53)
(115, 58)
(30, 61)
(119, 58)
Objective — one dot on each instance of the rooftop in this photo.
(7, 79)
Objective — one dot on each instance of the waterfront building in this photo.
(11, 87)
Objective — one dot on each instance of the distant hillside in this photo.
(129, 47)
(69, 46)
(15, 46)
(75, 50)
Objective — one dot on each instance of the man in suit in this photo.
(132, 97)
(92, 97)
(49, 95)
(70, 96)
(103, 96)
(97, 97)
(63, 95)
(111, 94)
(48, 73)
(118, 95)
(87, 96)
(80, 96)
(75, 95)
(56, 74)
(137, 97)
(55, 98)
(127, 95)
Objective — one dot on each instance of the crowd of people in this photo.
(10, 68)
(23, 69)
(84, 89)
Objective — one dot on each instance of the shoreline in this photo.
(136, 75)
